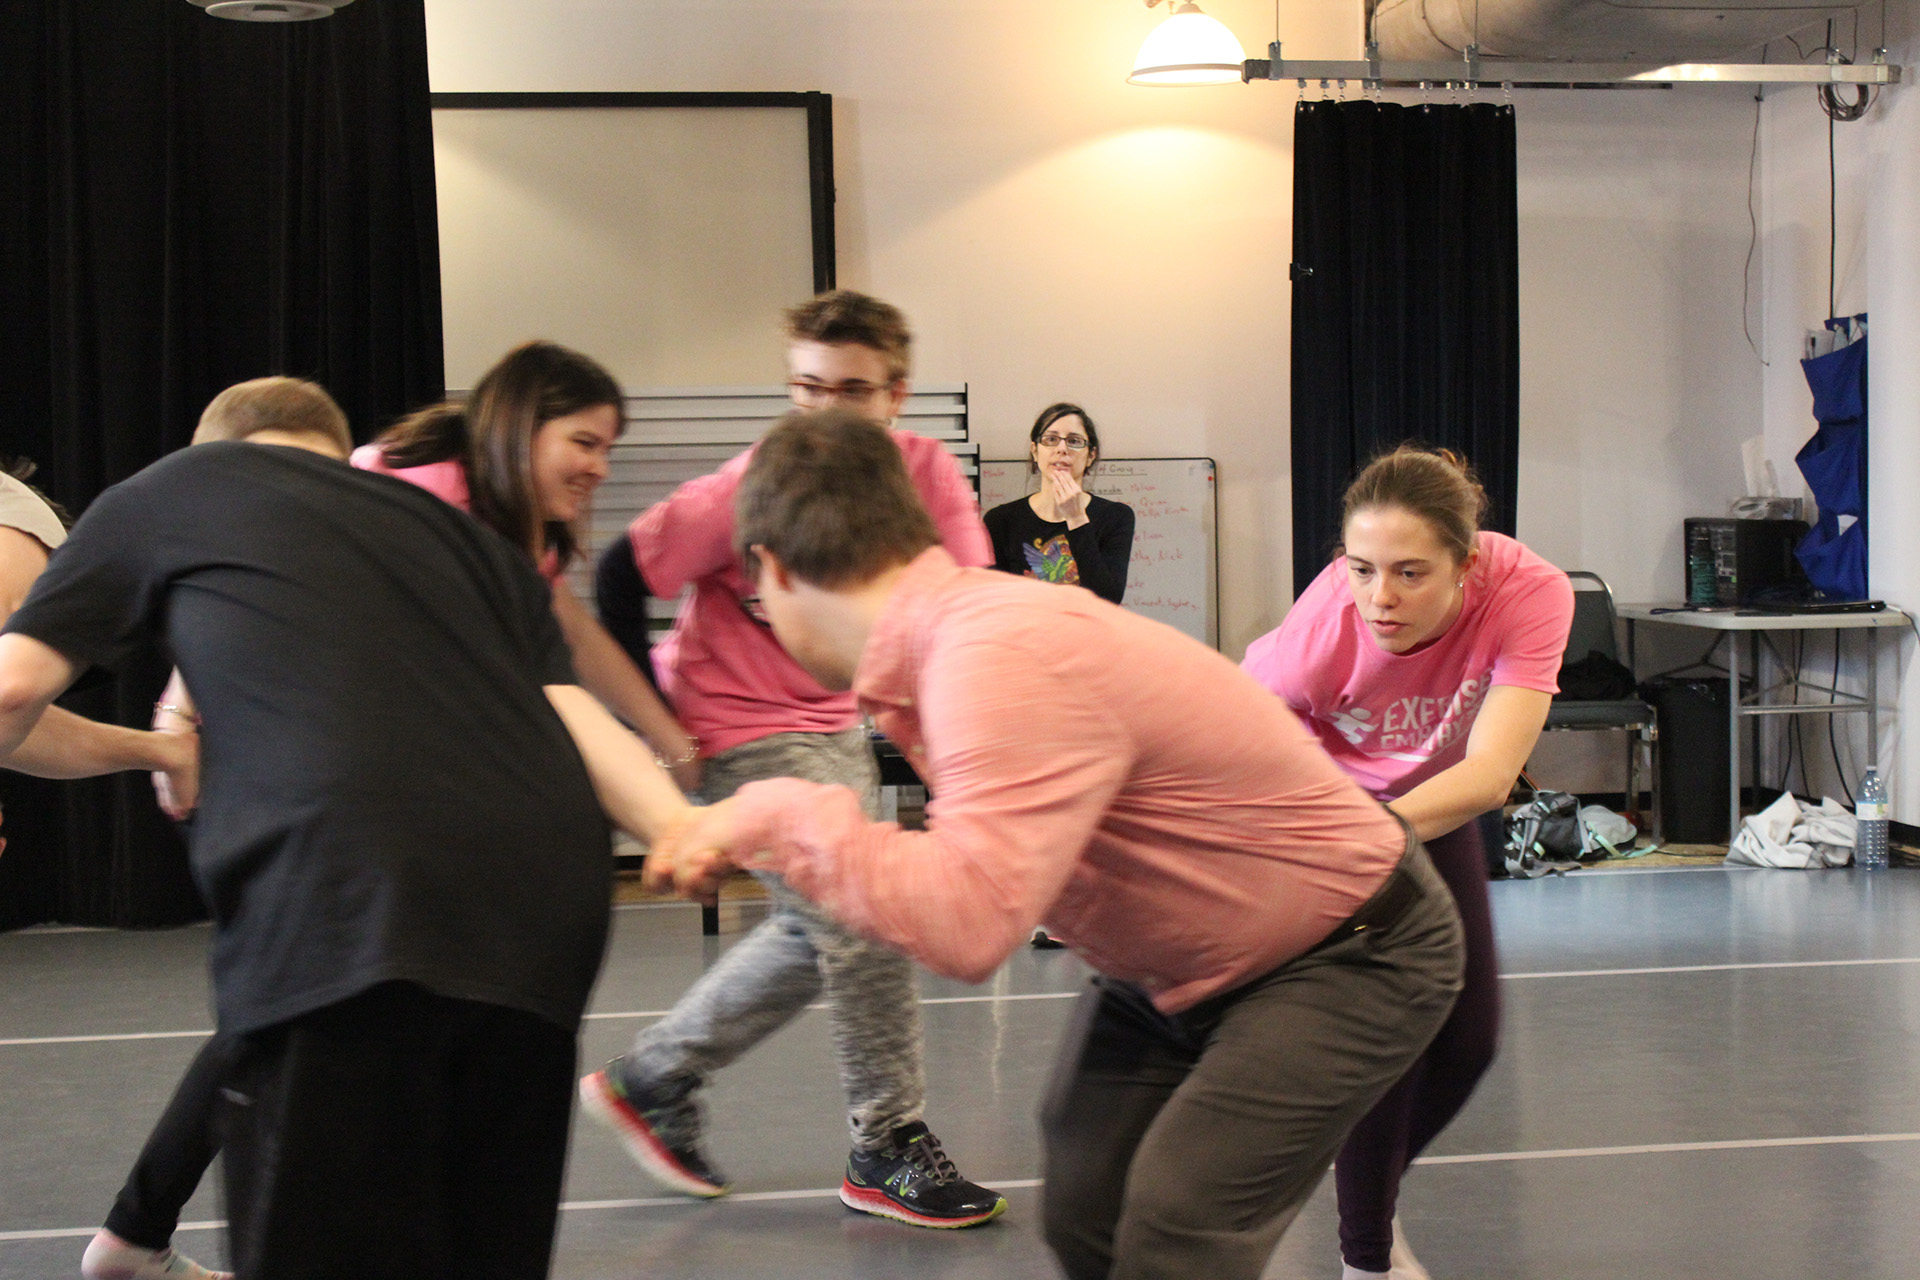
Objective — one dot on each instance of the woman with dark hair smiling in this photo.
(1062, 533)
(523, 455)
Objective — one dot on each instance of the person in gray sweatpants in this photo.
(760, 716)
(785, 963)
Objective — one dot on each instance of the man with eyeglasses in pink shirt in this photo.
(757, 714)
(1275, 949)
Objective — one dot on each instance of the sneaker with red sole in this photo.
(912, 1180)
(639, 1121)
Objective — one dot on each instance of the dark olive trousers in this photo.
(1181, 1146)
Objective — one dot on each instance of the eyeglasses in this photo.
(1072, 444)
(814, 395)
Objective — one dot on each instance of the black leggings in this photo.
(177, 1154)
(1378, 1151)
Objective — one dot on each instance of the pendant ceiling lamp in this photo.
(1189, 48)
(271, 10)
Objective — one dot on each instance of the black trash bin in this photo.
(1692, 714)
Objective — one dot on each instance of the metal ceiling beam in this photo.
(1559, 75)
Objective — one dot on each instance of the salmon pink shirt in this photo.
(1394, 720)
(1089, 767)
(728, 679)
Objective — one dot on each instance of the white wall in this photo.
(1877, 164)
(1055, 233)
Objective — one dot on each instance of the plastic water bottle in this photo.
(1870, 843)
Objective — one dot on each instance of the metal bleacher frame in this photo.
(677, 434)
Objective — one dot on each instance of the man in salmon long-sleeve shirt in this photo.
(1275, 948)
(757, 715)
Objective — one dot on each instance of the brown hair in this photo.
(844, 317)
(1437, 485)
(1052, 414)
(492, 436)
(274, 404)
(828, 493)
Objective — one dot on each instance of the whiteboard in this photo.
(1173, 578)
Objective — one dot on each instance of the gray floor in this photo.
(1705, 1074)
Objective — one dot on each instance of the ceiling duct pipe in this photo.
(1639, 31)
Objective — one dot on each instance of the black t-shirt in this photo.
(387, 793)
(1094, 556)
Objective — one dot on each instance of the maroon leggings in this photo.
(1378, 1151)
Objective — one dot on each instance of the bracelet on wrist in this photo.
(688, 756)
(170, 708)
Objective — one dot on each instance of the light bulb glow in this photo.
(1189, 48)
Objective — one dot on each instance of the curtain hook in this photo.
(1303, 89)
(1343, 90)
(1506, 91)
(1426, 100)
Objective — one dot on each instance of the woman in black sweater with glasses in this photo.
(1063, 533)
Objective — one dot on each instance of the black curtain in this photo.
(1406, 301)
(190, 202)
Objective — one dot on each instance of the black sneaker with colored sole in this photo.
(635, 1120)
(912, 1180)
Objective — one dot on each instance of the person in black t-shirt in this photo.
(399, 835)
(1063, 533)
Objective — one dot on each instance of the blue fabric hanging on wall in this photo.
(1834, 462)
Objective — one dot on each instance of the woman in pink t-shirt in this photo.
(523, 454)
(1424, 659)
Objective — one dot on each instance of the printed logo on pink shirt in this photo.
(1413, 729)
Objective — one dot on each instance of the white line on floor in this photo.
(630, 1014)
(1038, 995)
(1665, 1148)
(123, 1035)
(810, 1193)
(1712, 968)
(1011, 1184)
(75, 1233)
(626, 1014)
(1589, 873)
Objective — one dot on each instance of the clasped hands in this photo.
(692, 855)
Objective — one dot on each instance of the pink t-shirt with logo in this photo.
(1392, 721)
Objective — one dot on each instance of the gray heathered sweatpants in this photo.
(784, 964)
